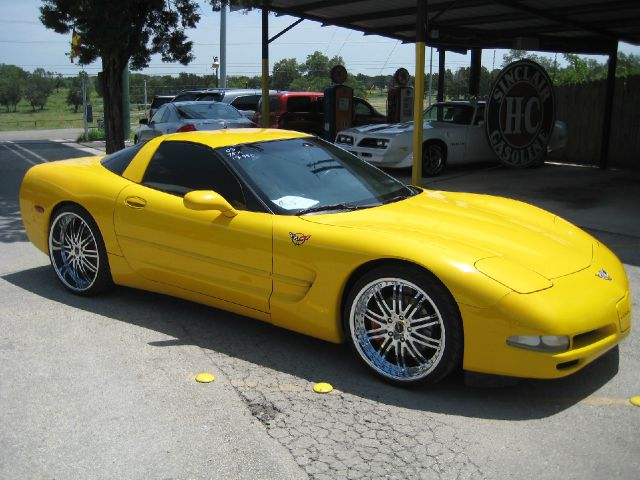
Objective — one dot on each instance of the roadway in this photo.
(104, 387)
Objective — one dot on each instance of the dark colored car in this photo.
(304, 112)
(157, 102)
(190, 116)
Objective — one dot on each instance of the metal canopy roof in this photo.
(576, 26)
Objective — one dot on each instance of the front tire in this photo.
(404, 325)
(434, 158)
(77, 252)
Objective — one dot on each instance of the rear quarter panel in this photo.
(82, 181)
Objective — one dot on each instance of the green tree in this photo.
(11, 81)
(580, 70)
(628, 65)
(122, 32)
(284, 73)
(316, 65)
(74, 95)
(38, 87)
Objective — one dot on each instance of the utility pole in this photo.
(223, 46)
(145, 94)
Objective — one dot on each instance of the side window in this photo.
(361, 108)
(181, 167)
(247, 102)
(119, 161)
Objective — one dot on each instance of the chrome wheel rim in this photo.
(397, 329)
(74, 251)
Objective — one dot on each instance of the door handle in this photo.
(135, 202)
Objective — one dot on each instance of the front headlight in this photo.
(382, 143)
(347, 139)
(542, 343)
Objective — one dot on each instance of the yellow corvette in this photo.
(291, 230)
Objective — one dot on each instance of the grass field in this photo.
(56, 114)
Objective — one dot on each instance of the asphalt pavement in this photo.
(103, 387)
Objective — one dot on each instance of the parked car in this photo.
(157, 102)
(292, 230)
(245, 100)
(454, 133)
(304, 112)
(190, 116)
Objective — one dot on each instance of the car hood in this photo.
(385, 128)
(486, 225)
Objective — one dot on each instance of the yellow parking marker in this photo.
(322, 387)
(635, 401)
(205, 378)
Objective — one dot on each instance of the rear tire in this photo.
(405, 326)
(77, 252)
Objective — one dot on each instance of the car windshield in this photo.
(209, 111)
(458, 114)
(308, 175)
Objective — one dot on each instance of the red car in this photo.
(304, 112)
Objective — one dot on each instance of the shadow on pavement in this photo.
(314, 360)
(11, 228)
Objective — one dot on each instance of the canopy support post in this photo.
(418, 97)
(265, 65)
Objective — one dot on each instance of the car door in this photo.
(364, 114)
(478, 148)
(202, 251)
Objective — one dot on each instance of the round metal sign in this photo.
(401, 77)
(521, 114)
(338, 74)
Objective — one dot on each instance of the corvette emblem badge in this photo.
(603, 275)
(299, 238)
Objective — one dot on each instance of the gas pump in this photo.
(338, 104)
(400, 98)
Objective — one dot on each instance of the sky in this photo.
(25, 42)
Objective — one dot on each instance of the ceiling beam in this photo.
(319, 5)
(516, 5)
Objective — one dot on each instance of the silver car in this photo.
(190, 116)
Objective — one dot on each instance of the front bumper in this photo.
(594, 313)
(394, 156)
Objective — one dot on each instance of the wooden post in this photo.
(476, 68)
(608, 107)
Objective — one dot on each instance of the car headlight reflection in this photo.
(542, 343)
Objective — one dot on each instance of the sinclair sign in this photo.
(521, 114)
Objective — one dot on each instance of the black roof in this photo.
(576, 26)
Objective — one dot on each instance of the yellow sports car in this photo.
(286, 228)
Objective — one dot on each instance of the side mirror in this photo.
(208, 200)
(143, 121)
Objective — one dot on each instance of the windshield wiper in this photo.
(402, 196)
(336, 206)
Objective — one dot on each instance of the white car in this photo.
(454, 132)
